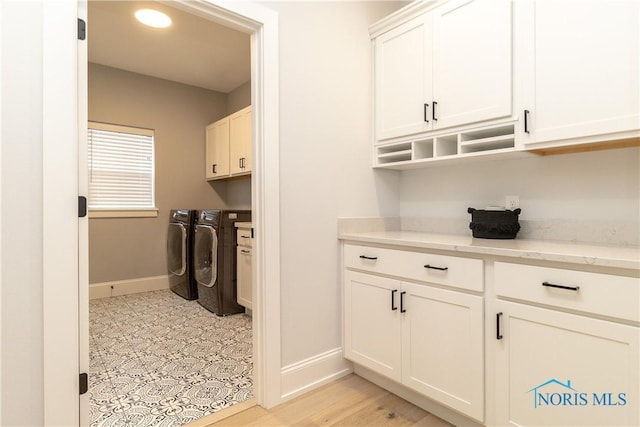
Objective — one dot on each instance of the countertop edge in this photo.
(627, 258)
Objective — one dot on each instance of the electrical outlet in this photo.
(512, 202)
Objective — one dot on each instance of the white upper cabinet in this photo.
(403, 79)
(580, 74)
(471, 62)
(228, 146)
(217, 149)
(240, 141)
(450, 66)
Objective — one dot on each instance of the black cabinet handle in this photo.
(372, 258)
(498, 334)
(426, 107)
(244, 251)
(213, 168)
(436, 268)
(393, 299)
(433, 112)
(570, 288)
(526, 121)
(402, 310)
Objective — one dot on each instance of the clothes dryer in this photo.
(215, 261)
(179, 253)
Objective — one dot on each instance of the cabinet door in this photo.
(209, 151)
(245, 277)
(555, 368)
(217, 149)
(472, 61)
(581, 68)
(372, 324)
(403, 79)
(240, 141)
(443, 347)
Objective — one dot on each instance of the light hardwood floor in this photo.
(349, 401)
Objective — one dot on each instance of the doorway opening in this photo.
(263, 173)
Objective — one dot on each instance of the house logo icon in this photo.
(555, 399)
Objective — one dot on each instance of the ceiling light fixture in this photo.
(153, 18)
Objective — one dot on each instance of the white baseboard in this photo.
(125, 287)
(301, 377)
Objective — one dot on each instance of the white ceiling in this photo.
(192, 50)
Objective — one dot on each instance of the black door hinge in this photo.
(84, 383)
(82, 29)
(82, 206)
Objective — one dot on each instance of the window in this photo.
(121, 171)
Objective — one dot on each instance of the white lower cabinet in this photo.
(556, 363)
(244, 267)
(442, 347)
(427, 338)
(561, 369)
(563, 347)
(373, 331)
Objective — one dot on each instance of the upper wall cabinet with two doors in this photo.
(228, 146)
(461, 78)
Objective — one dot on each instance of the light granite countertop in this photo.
(595, 255)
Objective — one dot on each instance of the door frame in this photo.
(65, 237)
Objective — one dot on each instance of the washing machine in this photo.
(214, 259)
(179, 253)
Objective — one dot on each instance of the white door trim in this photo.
(60, 213)
(262, 24)
(0, 216)
(83, 224)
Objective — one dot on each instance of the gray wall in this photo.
(127, 248)
(239, 98)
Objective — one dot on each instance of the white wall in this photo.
(325, 163)
(597, 188)
(21, 169)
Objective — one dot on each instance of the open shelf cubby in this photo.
(425, 149)
(487, 139)
(393, 153)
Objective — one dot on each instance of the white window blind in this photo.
(121, 167)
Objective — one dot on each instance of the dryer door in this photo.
(205, 255)
(177, 249)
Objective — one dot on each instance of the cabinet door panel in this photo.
(472, 61)
(372, 328)
(217, 149)
(443, 347)
(240, 141)
(544, 355)
(403, 79)
(583, 78)
(209, 151)
(245, 277)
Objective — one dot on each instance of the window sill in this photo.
(123, 213)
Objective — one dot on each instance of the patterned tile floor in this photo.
(159, 360)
